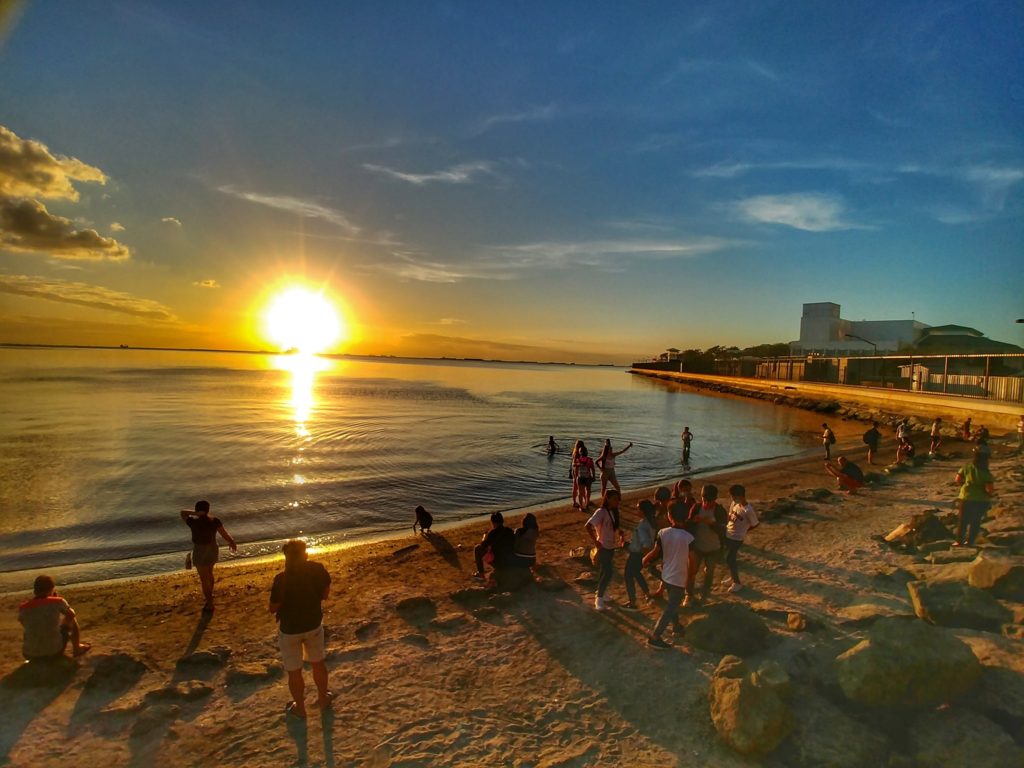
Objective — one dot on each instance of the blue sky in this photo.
(591, 181)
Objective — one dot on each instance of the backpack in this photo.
(831, 437)
(869, 437)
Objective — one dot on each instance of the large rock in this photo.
(825, 737)
(905, 663)
(749, 716)
(955, 604)
(1002, 575)
(416, 610)
(728, 628)
(927, 527)
(962, 738)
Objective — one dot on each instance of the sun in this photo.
(304, 320)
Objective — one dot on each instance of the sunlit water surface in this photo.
(100, 449)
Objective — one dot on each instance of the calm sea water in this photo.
(100, 449)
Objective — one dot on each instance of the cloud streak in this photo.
(463, 173)
(307, 209)
(84, 295)
(810, 212)
(210, 283)
(172, 221)
(29, 169)
(27, 227)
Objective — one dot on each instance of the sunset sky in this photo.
(525, 180)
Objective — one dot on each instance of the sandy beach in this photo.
(431, 669)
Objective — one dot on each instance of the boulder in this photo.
(186, 690)
(751, 718)
(416, 610)
(729, 628)
(955, 604)
(956, 555)
(862, 614)
(1002, 575)
(927, 527)
(796, 622)
(116, 672)
(962, 738)
(824, 735)
(906, 663)
(449, 622)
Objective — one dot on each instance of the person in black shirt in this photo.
(295, 599)
(205, 551)
(496, 547)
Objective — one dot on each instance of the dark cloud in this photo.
(26, 226)
(28, 169)
(84, 295)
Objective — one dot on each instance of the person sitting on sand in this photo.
(296, 599)
(687, 438)
(673, 546)
(424, 520)
(524, 547)
(583, 477)
(936, 436)
(606, 463)
(49, 623)
(848, 475)
(603, 528)
(496, 547)
(639, 545)
(977, 485)
(205, 551)
(742, 519)
(707, 522)
(871, 439)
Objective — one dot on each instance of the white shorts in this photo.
(292, 647)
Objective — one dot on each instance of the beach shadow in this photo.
(112, 677)
(26, 692)
(445, 549)
(197, 635)
(327, 725)
(299, 733)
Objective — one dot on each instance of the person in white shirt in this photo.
(673, 545)
(741, 519)
(936, 436)
(603, 527)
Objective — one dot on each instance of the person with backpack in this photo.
(828, 439)
(871, 439)
(583, 476)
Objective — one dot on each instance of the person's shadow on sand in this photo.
(444, 548)
(26, 692)
(197, 635)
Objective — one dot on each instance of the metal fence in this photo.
(993, 377)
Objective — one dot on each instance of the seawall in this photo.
(864, 403)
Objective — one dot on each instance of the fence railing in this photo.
(993, 377)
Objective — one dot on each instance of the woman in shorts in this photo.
(205, 550)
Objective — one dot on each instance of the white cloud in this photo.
(84, 295)
(531, 114)
(603, 252)
(27, 227)
(732, 170)
(811, 212)
(116, 227)
(28, 169)
(209, 283)
(457, 174)
(307, 209)
(171, 220)
(450, 321)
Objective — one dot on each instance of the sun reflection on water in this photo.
(303, 369)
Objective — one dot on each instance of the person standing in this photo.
(967, 429)
(205, 551)
(975, 498)
(828, 439)
(707, 522)
(606, 463)
(673, 546)
(871, 439)
(583, 474)
(639, 545)
(576, 448)
(603, 528)
(296, 599)
(49, 624)
(742, 519)
(1020, 434)
(936, 436)
(687, 438)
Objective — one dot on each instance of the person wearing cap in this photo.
(49, 624)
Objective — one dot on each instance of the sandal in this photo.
(290, 711)
(328, 701)
(82, 649)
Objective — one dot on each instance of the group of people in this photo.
(511, 554)
(687, 534)
(583, 470)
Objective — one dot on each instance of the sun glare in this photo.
(303, 320)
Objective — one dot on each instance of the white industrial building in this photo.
(824, 332)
